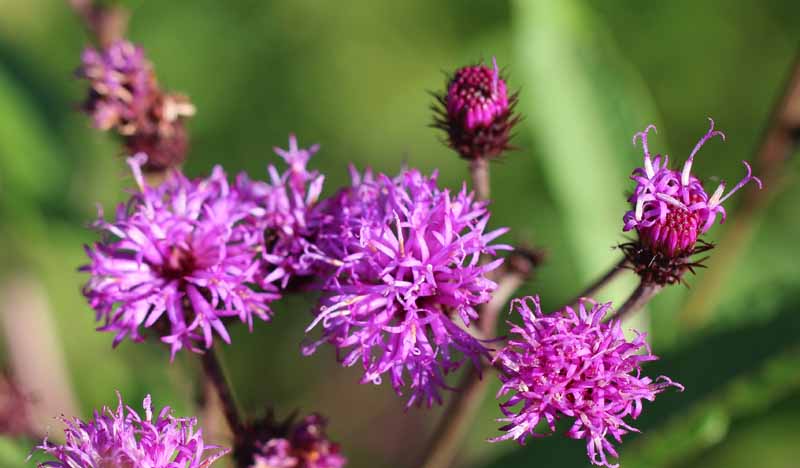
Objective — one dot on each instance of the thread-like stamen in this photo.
(687, 167)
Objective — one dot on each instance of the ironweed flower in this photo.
(177, 259)
(476, 112)
(280, 217)
(124, 96)
(405, 255)
(572, 364)
(305, 445)
(671, 209)
(123, 439)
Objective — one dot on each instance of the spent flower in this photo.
(124, 96)
(305, 445)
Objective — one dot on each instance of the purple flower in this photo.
(177, 259)
(280, 218)
(670, 209)
(477, 112)
(123, 439)
(406, 269)
(306, 446)
(572, 364)
(124, 95)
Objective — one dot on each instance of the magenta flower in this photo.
(280, 219)
(670, 209)
(405, 255)
(123, 439)
(306, 446)
(176, 259)
(477, 112)
(572, 364)
(124, 96)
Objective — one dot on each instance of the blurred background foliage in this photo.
(353, 76)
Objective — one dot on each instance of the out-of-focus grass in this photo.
(353, 76)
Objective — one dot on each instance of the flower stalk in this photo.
(215, 374)
(637, 300)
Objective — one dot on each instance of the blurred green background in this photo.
(353, 76)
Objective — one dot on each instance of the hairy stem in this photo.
(479, 171)
(213, 371)
(460, 413)
(638, 299)
(599, 283)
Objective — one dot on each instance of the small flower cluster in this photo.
(395, 258)
(124, 96)
(305, 446)
(572, 364)
(122, 438)
(406, 260)
(177, 258)
(281, 211)
(671, 209)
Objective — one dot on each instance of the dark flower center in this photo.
(179, 264)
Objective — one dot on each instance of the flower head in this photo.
(177, 259)
(305, 446)
(122, 439)
(572, 364)
(477, 112)
(670, 208)
(406, 266)
(280, 219)
(124, 96)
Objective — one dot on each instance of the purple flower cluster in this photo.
(306, 446)
(670, 209)
(280, 215)
(123, 439)
(406, 260)
(124, 96)
(572, 364)
(177, 258)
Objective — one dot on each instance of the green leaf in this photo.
(29, 162)
(12, 452)
(707, 423)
